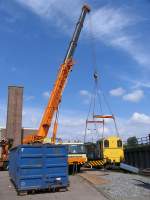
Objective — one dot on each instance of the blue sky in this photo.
(34, 36)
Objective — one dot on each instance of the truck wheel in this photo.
(5, 165)
(78, 168)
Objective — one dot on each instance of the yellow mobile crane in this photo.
(56, 94)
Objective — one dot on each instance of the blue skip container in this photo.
(38, 166)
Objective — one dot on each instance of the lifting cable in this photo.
(97, 90)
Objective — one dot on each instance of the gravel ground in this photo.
(123, 186)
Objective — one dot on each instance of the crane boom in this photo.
(61, 80)
(76, 34)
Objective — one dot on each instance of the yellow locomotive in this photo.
(108, 150)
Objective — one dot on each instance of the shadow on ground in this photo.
(142, 184)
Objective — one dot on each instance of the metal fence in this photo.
(138, 154)
(144, 140)
(139, 141)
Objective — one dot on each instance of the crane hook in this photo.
(95, 75)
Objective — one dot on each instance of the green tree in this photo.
(132, 141)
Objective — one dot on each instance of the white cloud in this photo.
(46, 94)
(72, 123)
(3, 113)
(86, 96)
(117, 91)
(141, 84)
(85, 93)
(137, 125)
(110, 20)
(31, 117)
(140, 118)
(49, 8)
(55, 10)
(134, 83)
(112, 29)
(111, 25)
(134, 48)
(134, 96)
(71, 127)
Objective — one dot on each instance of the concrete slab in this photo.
(79, 190)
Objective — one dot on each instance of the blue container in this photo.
(42, 166)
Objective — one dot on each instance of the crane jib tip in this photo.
(86, 7)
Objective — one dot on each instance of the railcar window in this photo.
(106, 143)
(119, 143)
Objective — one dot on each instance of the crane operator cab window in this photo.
(119, 143)
(106, 143)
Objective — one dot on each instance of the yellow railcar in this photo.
(110, 149)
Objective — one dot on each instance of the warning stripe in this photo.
(81, 163)
(94, 163)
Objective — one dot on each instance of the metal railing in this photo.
(139, 141)
(144, 140)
